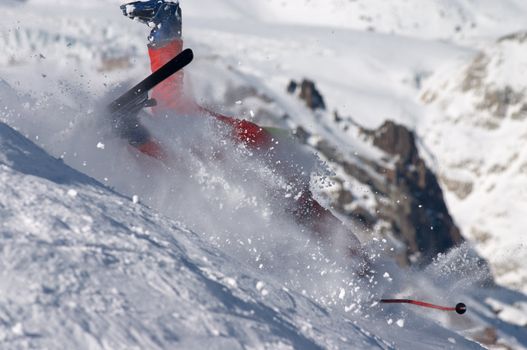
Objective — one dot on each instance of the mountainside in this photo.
(397, 100)
(482, 107)
(437, 19)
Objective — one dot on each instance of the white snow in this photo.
(481, 149)
(89, 266)
(95, 271)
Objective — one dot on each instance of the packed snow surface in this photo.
(86, 268)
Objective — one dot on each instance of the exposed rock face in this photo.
(409, 198)
(404, 200)
(419, 216)
(308, 93)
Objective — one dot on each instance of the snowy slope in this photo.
(86, 268)
(481, 106)
(437, 19)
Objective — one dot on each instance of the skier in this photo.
(165, 42)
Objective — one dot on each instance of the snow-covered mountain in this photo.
(370, 61)
(481, 105)
(436, 19)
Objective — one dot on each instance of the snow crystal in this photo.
(342, 293)
(349, 308)
(135, 199)
(72, 193)
(18, 329)
(306, 327)
(231, 281)
(129, 9)
(100, 145)
(260, 287)
(452, 340)
(400, 323)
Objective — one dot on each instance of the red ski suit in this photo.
(170, 96)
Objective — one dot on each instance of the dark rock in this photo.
(363, 216)
(520, 37)
(409, 199)
(310, 94)
(291, 88)
(337, 117)
(419, 214)
(396, 140)
(301, 134)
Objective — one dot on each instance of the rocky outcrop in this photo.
(409, 199)
(492, 84)
(308, 93)
(408, 203)
(418, 212)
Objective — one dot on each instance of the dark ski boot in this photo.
(163, 16)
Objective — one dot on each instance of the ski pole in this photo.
(460, 308)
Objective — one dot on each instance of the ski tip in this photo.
(189, 53)
(461, 308)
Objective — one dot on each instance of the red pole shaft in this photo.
(417, 302)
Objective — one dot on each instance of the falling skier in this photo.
(165, 42)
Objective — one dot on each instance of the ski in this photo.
(137, 97)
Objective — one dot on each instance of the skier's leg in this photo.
(164, 43)
(311, 214)
(327, 229)
(127, 125)
(243, 131)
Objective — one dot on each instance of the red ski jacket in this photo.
(170, 97)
